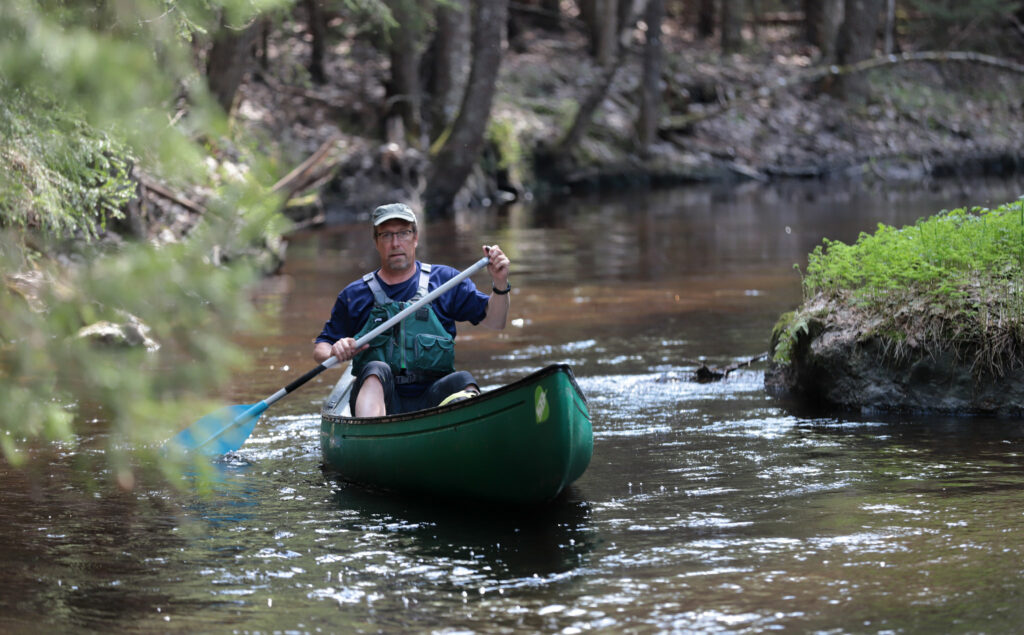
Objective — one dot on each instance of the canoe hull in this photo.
(523, 443)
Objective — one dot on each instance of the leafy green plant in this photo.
(954, 281)
(502, 134)
(786, 335)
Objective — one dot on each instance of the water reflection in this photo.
(706, 507)
(74, 561)
(230, 495)
(502, 547)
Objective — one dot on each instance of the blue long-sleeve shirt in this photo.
(464, 303)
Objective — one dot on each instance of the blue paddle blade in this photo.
(219, 432)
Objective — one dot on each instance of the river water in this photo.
(706, 508)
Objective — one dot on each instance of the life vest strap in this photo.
(379, 297)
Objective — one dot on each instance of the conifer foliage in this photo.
(91, 94)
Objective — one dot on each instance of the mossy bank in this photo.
(925, 318)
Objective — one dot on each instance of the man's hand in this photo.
(498, 266)
(344, 349)
(497, 306)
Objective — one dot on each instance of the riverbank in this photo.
(924, 319)
(921, 120)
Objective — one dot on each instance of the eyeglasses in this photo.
(402, 235)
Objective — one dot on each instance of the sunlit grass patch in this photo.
(954, 281)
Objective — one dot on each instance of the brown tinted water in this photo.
(707, 507)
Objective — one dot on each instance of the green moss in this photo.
(955, 279)
(502, 134)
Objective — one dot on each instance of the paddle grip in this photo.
(310, 375)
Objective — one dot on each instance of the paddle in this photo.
(227, 429)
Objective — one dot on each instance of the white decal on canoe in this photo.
(540, 404)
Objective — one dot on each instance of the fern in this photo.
(786, 335)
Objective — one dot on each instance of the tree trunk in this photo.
(814, 15)
(831, 17)
(890, 27)
(403, 88)
(650, 95)
(585, 113)
(706, 19)
(755, 21)
(604, 43)
(454, 161)
(229, 60)
(821, 25)
(856, 42)
(318, 32)
(589, 16)
(732, 26)
(623, 11)
(444, 60)
(264, 43)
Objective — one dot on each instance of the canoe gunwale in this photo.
(434, 428)
(476, 402)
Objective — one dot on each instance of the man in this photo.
(394, 376)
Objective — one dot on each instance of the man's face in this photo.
(396, 243)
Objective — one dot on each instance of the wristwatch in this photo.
(502, 291)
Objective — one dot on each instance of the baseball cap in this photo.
(392, 211)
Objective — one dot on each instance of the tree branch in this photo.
(300, 177)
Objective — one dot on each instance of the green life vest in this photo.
(418, 349)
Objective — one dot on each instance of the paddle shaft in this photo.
(401, 315)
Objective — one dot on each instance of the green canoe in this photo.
(522, 443)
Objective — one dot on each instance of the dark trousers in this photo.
(432, 394)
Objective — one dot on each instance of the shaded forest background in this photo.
(154, 154)
(582, 95)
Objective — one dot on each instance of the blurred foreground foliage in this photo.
(60, 177)
(88, 93)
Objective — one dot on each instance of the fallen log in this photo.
(306, 172)
(706, 374)
(154, 187)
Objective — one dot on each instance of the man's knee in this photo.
(376, 372)
(370, 398)
(460, 379)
